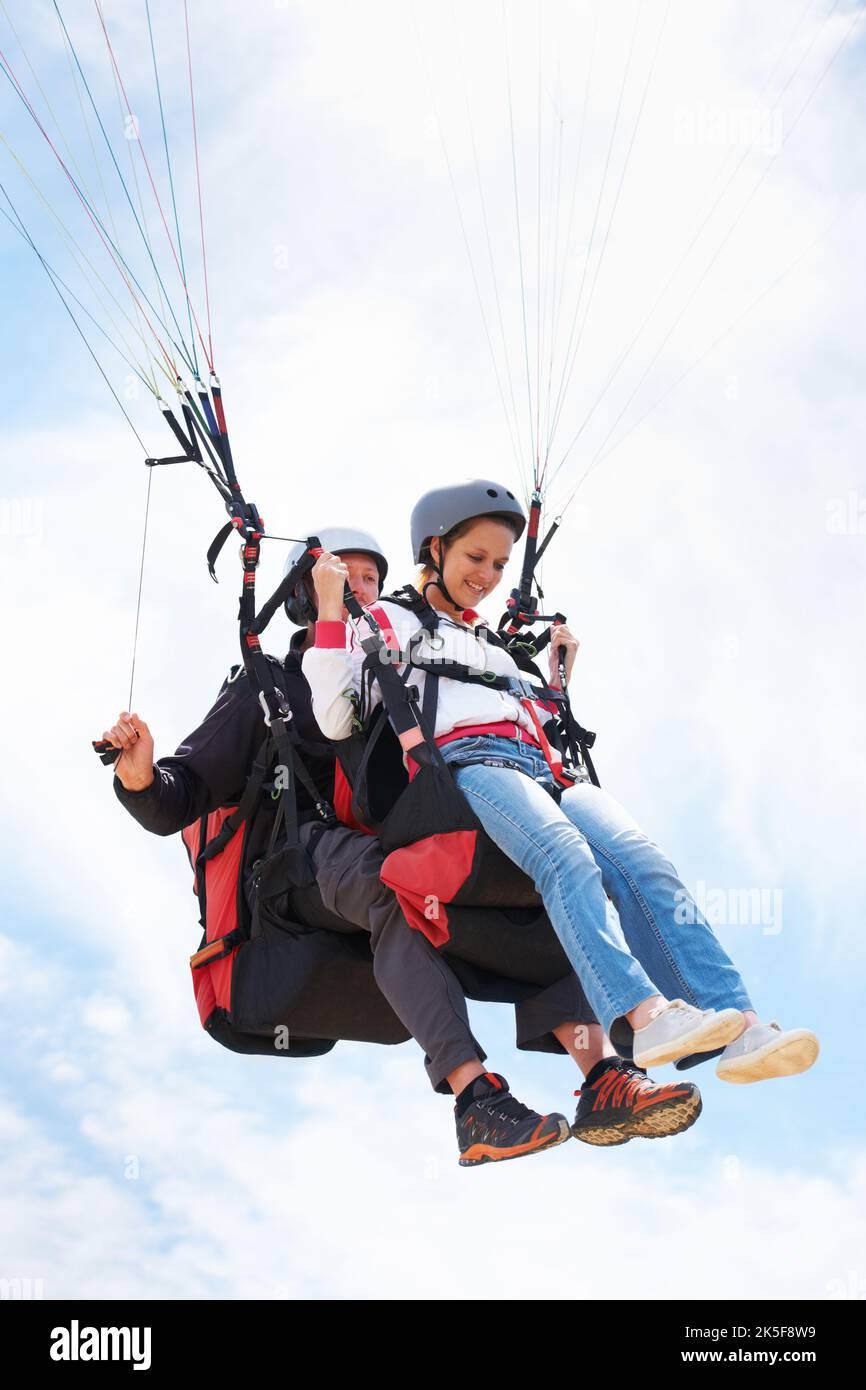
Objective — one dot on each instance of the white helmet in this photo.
(299, 606)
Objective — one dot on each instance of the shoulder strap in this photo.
(409, 597)
(247, 803)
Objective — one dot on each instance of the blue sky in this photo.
(718, 604)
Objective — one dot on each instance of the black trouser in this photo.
(414, 977)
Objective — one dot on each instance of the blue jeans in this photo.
(582, 854)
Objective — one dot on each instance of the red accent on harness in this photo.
(554, 763)
(444, 861)
(384, 622)
(504, 728)
(343, 802)
(213, 983)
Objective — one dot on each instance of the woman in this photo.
(582, 852)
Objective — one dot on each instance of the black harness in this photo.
(403, 811)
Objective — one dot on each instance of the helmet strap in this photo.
(439, 581)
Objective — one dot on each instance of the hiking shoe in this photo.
(676, 1029)
(618, 1102)
(492, 1125)
(764, 1051)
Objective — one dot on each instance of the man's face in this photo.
(363, 578)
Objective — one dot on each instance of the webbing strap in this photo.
(507, 685)
(554, 763)
(247, 803)
(430, 703)
(215, 950)
(288, 805)
(322, 805)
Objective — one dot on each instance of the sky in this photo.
(711, 563)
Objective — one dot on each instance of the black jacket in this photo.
(210, 767)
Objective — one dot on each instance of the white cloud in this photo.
(354, 1190)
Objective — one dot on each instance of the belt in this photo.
(505, 728)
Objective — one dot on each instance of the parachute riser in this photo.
(522, 602)
(521, 607)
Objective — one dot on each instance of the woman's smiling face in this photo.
(475, 561)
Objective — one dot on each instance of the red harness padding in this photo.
(212, 966)
(447, 860)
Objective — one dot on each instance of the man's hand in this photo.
(561, 638)
(134, 767)
(330, 577)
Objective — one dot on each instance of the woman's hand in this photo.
(134, 767)
(330, 577)
(561, 639)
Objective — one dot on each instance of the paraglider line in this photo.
(198, 181)
(140, 586)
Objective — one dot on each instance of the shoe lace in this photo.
(617, 1064)
(505, 1106)
(674, 1006)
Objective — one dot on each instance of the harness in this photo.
(565, 750)
(281, 751)
(435, 845)
(278, 768)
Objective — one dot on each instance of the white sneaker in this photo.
(764, 1051)
(677, 1028)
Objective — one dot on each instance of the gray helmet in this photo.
(300, 608)
(445, 507)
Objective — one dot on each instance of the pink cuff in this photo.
(331, 634)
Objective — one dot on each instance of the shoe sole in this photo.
(487, 1153)
(787, 1057)
(716, 1031)
(666, 1119)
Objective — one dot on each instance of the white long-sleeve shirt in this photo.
(333, 669)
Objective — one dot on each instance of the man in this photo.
(209, 770)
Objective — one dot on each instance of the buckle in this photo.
(284, 712)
